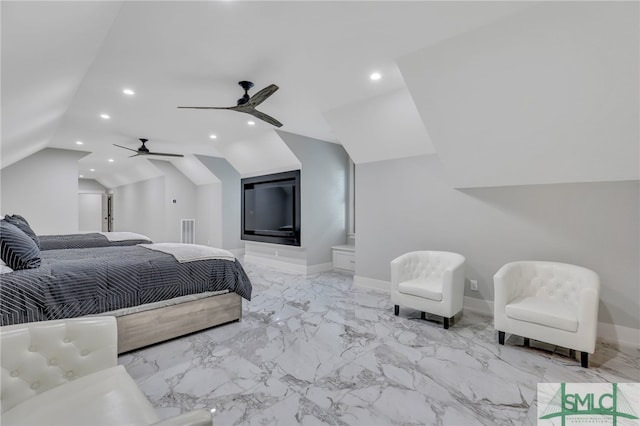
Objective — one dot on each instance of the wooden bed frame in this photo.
(157, 325)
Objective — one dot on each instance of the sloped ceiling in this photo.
(549, 95)
(384, 127)
(69, 62)
(47, 48)
(504, 93)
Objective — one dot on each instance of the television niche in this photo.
(271, 208)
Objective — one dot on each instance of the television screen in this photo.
(271, 208)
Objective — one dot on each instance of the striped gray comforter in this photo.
(75, 241)
(72, 283)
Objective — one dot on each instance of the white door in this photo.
(90, 212)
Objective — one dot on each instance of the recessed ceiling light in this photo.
(212, 136)
(92, 170)
(128, 92)
(251, 123)
(110, 160)
(81, 176)
(375, 76)
(79, 142)
(105, 116)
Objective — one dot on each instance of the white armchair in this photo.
(550, 302)
(65, 372)
(428, 281)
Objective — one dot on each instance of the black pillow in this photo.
(17, 250)
(22, 224)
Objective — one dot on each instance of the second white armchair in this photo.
(551, 302)
(429, 281)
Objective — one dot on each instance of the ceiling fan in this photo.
(143, 150)
(248, 104)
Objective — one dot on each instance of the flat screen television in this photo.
(271, 208)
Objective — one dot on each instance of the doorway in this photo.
(95, 212)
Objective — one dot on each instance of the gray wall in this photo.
(44, 189)
(230, 200)
(325, 169)
(181, 189)
(139, 207)
(209, 215)
(146, 207)
(407, 204)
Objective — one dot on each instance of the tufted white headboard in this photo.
(39, 356)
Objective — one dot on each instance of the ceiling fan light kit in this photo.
(248, 104)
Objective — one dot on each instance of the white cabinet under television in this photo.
(344, 258)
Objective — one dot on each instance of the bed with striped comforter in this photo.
(87, 240)
(72, 283)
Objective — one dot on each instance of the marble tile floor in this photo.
(316, 349)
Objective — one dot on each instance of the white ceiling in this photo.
(64, 63)
(550, 95)
(389, 123)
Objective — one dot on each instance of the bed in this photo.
(153, 295)
(91, 239)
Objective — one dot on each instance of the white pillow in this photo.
(4, 268)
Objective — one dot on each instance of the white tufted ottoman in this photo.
(551, 302)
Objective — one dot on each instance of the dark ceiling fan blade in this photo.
(264, 117)
(143, 150)
(249, 106)
(164, 154)
(206, 107)
(263, 95)
(130, 149)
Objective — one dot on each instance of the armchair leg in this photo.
(423, 315)
(526, 341)
(584, 359)
(501, 337)
(446, 323)
(396, 310)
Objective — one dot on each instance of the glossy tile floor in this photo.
(317, 350)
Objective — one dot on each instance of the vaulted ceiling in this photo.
(65, 63)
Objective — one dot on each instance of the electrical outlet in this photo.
(474, 285)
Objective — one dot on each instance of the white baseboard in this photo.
(479, 306)
(320, 267)
(374, 284)
(278, 264)
(610, 333)
(619, 335)
(283, 265)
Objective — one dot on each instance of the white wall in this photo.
(325, 168)
(44, 189)
(91, 186)
(147, 207)
(180, 189)
(139, 207)
(225, 208)
(407, 204)
(209, 224)
(89, 212)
